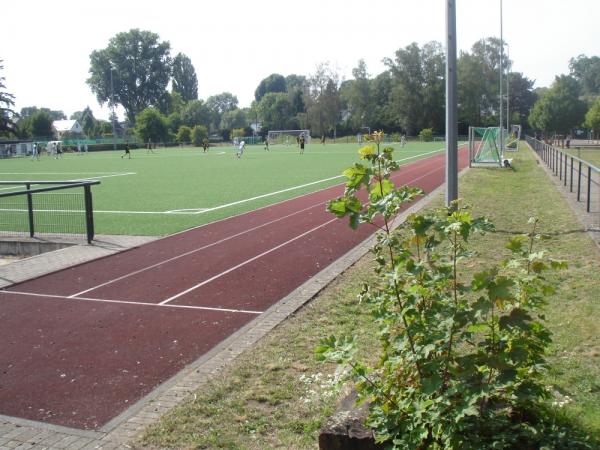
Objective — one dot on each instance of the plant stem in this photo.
(532, 236)
(455, 294)
(396, 288)
(373, 385)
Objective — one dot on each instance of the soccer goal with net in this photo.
(287, 137)
(485, 146)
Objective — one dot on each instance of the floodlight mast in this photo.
(451, 123)
(501, 146)
(507, 91)
(112, 108)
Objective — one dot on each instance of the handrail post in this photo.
(566, 165)
(559, 165)
(589, 186)
(571, 188)
(579, 183)
(30, 209)
(89, 215)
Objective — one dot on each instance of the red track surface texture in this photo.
(83, 344)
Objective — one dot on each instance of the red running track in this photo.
(83, 344)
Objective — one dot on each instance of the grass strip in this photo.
(277, 396)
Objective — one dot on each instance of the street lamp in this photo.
(112, 108)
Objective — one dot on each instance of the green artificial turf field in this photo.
(179, 188)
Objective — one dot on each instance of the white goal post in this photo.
(287, 137)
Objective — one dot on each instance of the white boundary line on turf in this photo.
(220, 241)
(196, 211)
(125, 302)
(231, 269)
(112, 174)
(204, 247)
(58, 173)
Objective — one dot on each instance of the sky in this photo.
(234, 44)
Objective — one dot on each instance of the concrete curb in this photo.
(19, 433)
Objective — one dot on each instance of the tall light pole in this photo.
(501, 149)
(507, 91)
(451, 122)
(112, 108)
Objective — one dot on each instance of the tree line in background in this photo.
(136, 70)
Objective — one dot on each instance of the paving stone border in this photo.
(20, 434)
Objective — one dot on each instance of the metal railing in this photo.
(576, 175)
(49, 210)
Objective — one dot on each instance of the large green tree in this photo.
(151, 125)
(358, 98)
(185, 81)
(273, 83)
(275, 111)
(220, 104)
(6, 112)
(132, 71)
(586, 70)
(418, 87)
(383, 117)
(479, 83)
(234, 119)
(323, 105)
(40, 124)
(592, 117)
(559, 109)
(195, 113)
(521, 97)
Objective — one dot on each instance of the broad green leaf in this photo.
(431, 384)
(518, 318)
(366, 151)
(500, 289)
(381, 189)
(515, 244)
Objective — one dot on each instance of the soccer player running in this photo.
(241, 148)
(35, 153)
(127, 152)
(267, 144)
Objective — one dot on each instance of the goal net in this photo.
(485, 146)
(287, 137)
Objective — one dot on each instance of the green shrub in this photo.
(461, 357)
(184, 134)
(426, 135)
(199, 133)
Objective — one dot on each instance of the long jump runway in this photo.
(81, 345)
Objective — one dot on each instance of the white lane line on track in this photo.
(250, 230)
(231, 269)
(125, 302)
(204, 247)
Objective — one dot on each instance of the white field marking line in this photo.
(296, 187)
(55, 173)
(204, 247)
(196, 211)
(125, 302)
(113, 174)
(219, 242)
(231, 269)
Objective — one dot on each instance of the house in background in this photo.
(66, 128)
